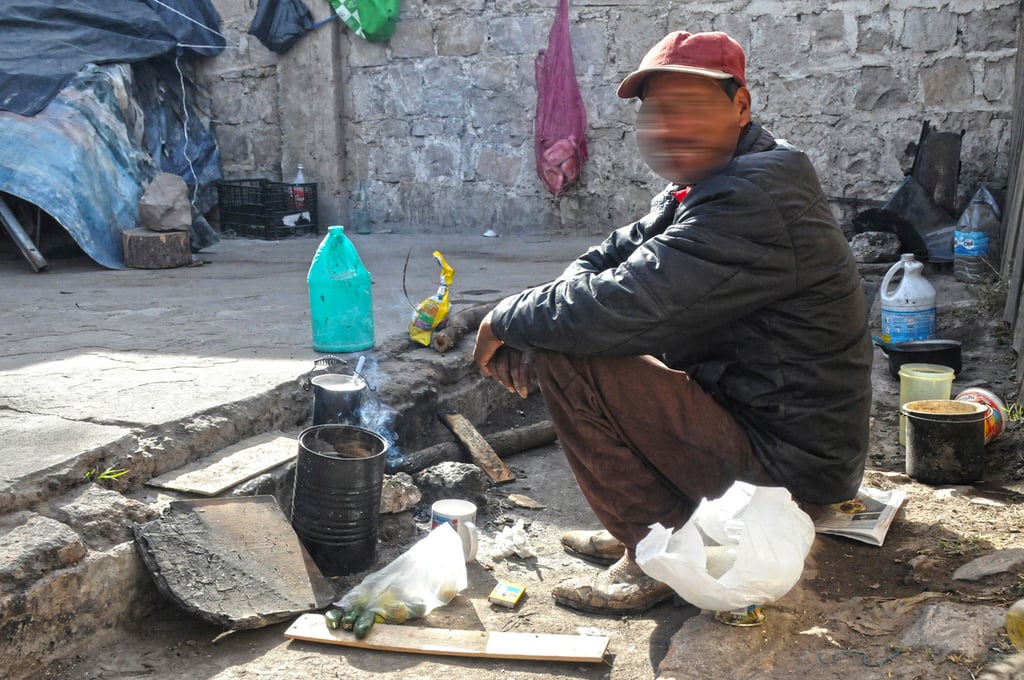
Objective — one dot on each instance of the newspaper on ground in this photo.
(865, 518)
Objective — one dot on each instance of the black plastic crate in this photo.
(259, 208)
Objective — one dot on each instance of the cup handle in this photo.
(471, 532)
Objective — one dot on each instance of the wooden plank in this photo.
(449, 642)
(231, 466)
(21, 239)
(479, 450)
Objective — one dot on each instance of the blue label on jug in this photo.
(970, 243)
(905, 326)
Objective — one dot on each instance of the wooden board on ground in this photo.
(449, 642)
(479, 450)
(231, 466)
(233, 562)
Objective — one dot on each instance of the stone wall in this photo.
(439, 120)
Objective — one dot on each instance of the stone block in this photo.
(363, 53)
(164, 205)
(987, 29)
(947, 628)
(515, 35)
(947, 83)
(874, 33)
(779, 43)
(929, 29)
(500, 165)
(879, 88)
(398, 493)
(494, 74)
(38, 546)
(413, 38)
(453, 480)
(997, 80)
(828, 32)
(460, 38)
(100, 516)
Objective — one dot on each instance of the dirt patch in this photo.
(844, 619)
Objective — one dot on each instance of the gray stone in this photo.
(502, 166)
(413, 38)
(396, 527)
(874, 33)
(947, 83)
(398, 494)
(928, 30)
(460, 38)
(998, 562)
(164, 205)
(875, 246)
(947, 628)
(38, 546)
(102, 517)
(879, 89)
(453, 480)
(997, 79)
(993, 29)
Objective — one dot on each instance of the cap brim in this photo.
(631, 86)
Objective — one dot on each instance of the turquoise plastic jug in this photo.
(340, 298)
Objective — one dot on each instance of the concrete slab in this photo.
(89, 355)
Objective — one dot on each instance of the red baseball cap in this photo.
(712, 55)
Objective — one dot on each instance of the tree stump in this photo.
(145, 249)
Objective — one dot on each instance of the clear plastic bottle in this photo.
(340, 296)
(974, 239)
(362, 210)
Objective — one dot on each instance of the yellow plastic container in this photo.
(919, 382)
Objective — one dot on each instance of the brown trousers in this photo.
(644, 441)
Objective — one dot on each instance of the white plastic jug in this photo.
(908, 310)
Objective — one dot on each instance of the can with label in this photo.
(995, 422)
(752, 615)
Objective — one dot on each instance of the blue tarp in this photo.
(66, 142)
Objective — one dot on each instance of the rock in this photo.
(396, 527)
(998, 562)
(453, 480)
(398, 493)
(951, 628)
(875, 246)
(165, 206)
(38, 546)
(101, 516)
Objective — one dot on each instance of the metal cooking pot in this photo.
(941, 352)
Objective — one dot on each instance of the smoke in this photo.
(375, 415)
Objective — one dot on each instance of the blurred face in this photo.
(687, 128)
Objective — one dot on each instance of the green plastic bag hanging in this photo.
(373, 20)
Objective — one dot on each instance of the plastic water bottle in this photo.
(908, 310)
(340, 298)
(974, 247)
(362, 212)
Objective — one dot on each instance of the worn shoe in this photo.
(623, 588)
(599, 547)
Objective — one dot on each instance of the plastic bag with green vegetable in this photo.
(425, 577)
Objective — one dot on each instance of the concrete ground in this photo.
(89, 356)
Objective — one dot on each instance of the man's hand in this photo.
(510, 367)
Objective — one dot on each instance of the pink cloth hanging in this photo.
(560, 129)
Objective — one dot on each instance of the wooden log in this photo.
(479, 450)
(504, 443)
(145, 249)
(458, 325)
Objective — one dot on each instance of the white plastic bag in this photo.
(426, 576)
(771, 537)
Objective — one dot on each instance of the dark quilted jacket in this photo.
(750, 287)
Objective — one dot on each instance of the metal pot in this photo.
(941, 352)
